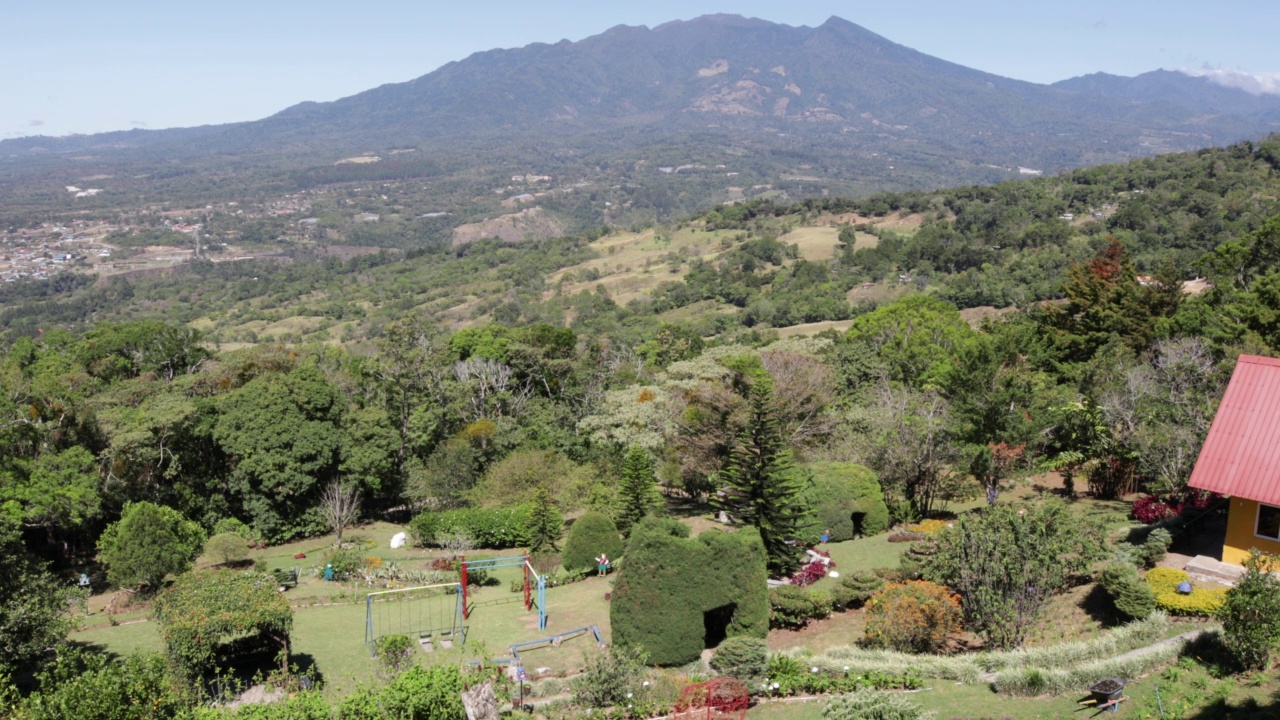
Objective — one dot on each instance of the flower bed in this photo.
(1200, 602)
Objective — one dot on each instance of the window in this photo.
(1268, 522)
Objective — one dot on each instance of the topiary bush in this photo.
(794, 607)
(915, 616)
(672, 591)
(589, 536)
(742, 657)
(846, 498)
(1131, 595)
(855, 589)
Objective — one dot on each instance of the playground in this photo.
(334, 621)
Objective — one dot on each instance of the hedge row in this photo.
(969, 668)
(487, 528)
(1031, 681)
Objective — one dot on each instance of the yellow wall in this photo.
(1240, 526)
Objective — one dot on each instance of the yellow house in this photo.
(1241, 458)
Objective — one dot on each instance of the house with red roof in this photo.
(1241, 458)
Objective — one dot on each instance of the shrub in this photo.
(845, 498)
(855, 589)
(1058, 681)
(237, 526)
(869, 704)
(609, 678)
(419, 693)
(488, 528)
(1202, 602)
(589, 536)
(1166, 579)
(811, 573)
(1131, 595)
(346, 562)
(395, 654)
(1251, 614)
(742, 657)
(915, 616)
(1156, 546)
(670, 586)
(1150, 509)
(227, 548)
(794, 607)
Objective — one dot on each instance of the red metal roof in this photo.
(1241, 455)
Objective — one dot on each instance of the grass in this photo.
(815, 243)
(332, 637)
(861, 554)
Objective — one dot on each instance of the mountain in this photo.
(1196, 93)
(832, 109)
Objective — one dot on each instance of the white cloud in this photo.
(1253, 83)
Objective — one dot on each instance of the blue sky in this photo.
(74, 66)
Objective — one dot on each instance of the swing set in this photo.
(437, 615)
(431, 613)
(533, 583)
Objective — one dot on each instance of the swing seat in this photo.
(425, 643)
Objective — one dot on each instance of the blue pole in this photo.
(542, 602)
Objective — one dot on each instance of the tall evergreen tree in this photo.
(542, 523)
(637, 495)
(758, 486)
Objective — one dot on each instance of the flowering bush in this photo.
(915, 616)
(811, 573)
(928, 528)
(1150, 509)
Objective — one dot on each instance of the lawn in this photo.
(330, 638)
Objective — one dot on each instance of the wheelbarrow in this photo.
(1107, 694)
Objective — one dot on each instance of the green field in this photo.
(329, 618)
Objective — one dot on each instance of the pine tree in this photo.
(759, 487)
(542, 523)
(637, 494)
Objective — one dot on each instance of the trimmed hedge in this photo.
(489, 528)
(670, 581)
(855, 589)
(837, 492)
(590, 535)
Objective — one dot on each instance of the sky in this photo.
(81, 67)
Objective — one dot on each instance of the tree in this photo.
(340, 507)
(147, 543)
(34, 605)
(544, 525)
(59, 490)
(638, 494)
(1006, 562)
(759, 487)
(281, 432)
(1251, 614)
